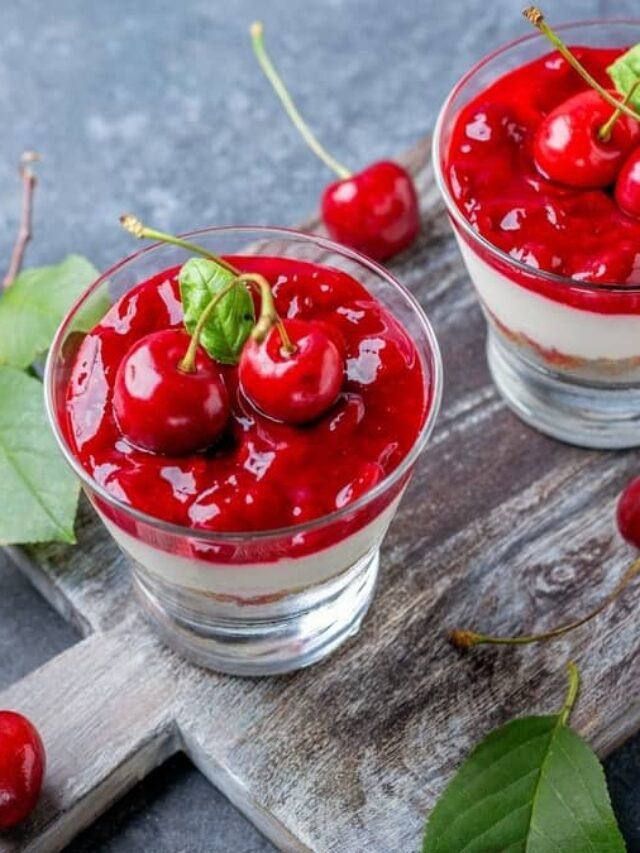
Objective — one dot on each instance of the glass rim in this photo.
(451, 205)
(391, 479)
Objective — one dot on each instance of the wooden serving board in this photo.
(501, 528)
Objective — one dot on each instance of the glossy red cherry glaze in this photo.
(627, 190)
(161, 408)
(375, 211)
(263, 474)
(22, 766)
(567, 146)
(294, 387)
(492, 175)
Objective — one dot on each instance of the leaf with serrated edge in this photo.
(625, 73)
(33, 306)
(533, 785)
(230, 323)
(38, 492)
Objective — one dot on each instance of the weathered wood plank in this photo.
(501, 528)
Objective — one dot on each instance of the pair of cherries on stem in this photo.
(170, 397)
(374, 211)
(583, 143)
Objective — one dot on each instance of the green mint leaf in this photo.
(33, 306)
(230, 323)
(38, 492)
(533, 785)
(625, 73)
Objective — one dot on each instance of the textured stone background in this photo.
(157, 106)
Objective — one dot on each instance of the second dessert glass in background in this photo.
(564, 354)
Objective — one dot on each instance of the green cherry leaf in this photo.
(531, 786)
(32, 307)
(230, 324)
(38, 491)
(625, 73)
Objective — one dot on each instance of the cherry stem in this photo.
(572, 694)
(26, 219)
(269, 317)
(463, 638)
(133, 225)
(287, 102)
(188, 362)
(605, 131)
(535, 17)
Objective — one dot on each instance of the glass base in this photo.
(595, 415)
(260, 639)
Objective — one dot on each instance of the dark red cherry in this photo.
(567, 147)
(628, 512)
(375, 211)
(162, 408)
(293, 387)
(627, 191)
(22, 766)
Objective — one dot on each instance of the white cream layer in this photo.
(552, 325)
(255, 579)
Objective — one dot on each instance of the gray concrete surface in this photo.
(157, 107)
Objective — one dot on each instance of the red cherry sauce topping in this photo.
(261, 474)
(22, 766)
(490, 167)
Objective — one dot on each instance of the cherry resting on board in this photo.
(374, 211)
(628, 512)
(22, 766)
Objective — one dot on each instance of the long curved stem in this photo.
(535, 17)
(188, 362)
(269, 316)
(463, 638)
(133, 225)
(287, 102)
(605, 131)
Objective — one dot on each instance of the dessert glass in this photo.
(262, 602)
(564, 354)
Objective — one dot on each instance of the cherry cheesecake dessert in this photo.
(245, 425)
(537, 156)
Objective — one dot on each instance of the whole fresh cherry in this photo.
(164, 406)
(294, 380)
(628, 512)
(22, 766)
(568, 146)
(374, 211)
(627, 190)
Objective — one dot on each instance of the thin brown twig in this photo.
(25, 230)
